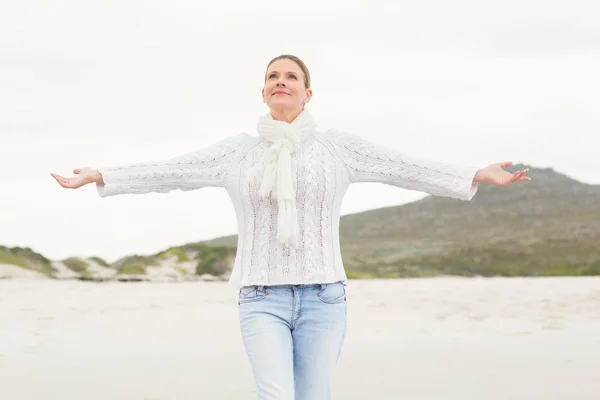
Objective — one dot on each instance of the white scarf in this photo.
(275, 168)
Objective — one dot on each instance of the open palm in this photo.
(82, 177)
(496, 175)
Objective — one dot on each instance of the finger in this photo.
(521, 175)
(506, 164)
(518, 175)
(57, 176)
(523, 172)
(514, 177)
(77, 170)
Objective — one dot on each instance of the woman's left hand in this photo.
(496, 175)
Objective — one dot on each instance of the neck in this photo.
(285, 115)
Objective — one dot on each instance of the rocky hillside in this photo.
(547, 226)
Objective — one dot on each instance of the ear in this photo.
(308, 96)
(263, 95)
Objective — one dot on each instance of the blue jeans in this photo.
(293, 335)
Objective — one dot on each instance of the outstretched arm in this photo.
(202, 168)
(368, 162)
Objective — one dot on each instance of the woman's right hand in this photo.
(83, 177)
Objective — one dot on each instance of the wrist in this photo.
(479, 175)
(97, 177)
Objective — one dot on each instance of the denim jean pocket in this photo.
(332, 293)
(249, 294)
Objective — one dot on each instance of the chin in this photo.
(282, 104)
(277, 106)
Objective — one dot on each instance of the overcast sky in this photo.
(99, 83)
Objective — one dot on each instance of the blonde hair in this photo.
(298, 61)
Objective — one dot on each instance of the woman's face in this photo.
(284, 86)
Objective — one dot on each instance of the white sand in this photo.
(444, 338)
(13, 271)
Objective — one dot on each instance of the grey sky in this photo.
(113, 82)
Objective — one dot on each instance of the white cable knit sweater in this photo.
(323, 167)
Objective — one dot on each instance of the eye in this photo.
(272, 75)
(293, 76)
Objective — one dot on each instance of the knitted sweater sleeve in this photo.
(368, 162)
(206, 167)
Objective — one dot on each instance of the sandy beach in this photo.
(441, 338)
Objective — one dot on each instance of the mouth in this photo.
(279, 93)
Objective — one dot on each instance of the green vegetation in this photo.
(76, 264)
(100, 261)
(26, 258)
(355, 274)
(173, 252)
(9, 258)
(136, 264)
(548, 258)
(26, 253)
(133, 269)
(213, 260)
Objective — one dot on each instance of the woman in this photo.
(287, 187)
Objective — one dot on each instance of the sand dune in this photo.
(13, 271)
(443, 338)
